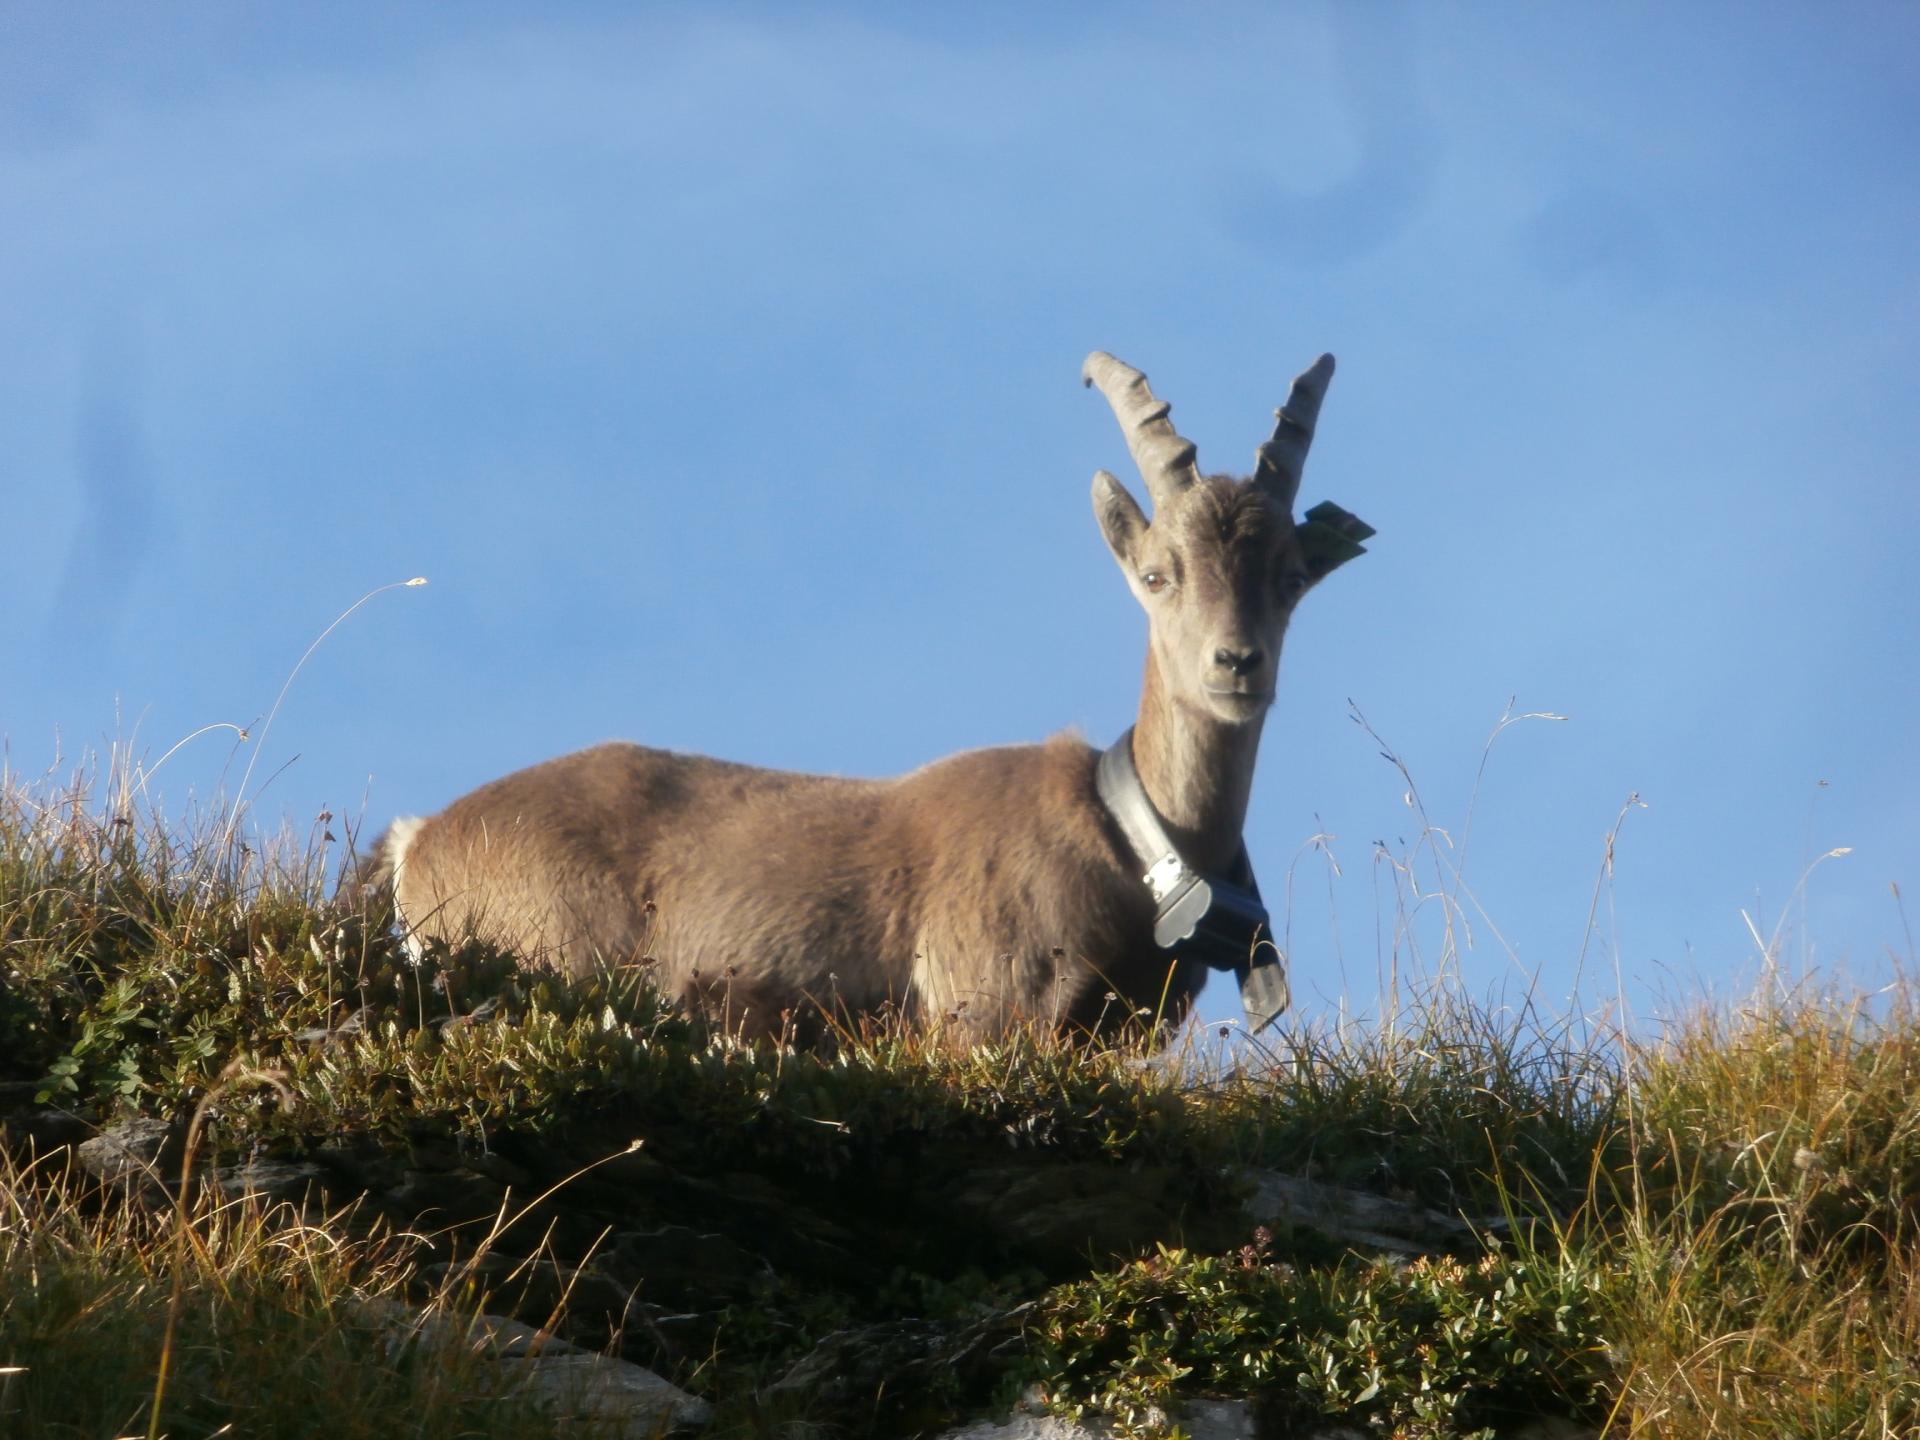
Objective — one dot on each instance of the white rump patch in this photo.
(397, 841)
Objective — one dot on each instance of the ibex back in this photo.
(992, 886)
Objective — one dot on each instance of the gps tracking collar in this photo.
(1215, 919)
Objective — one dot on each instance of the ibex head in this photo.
(1222, 564)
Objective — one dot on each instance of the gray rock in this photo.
(139, 1151)
(145, 1154)
(603, 1396)
(1025, 1427)
(607, 1397)
(1217, 1419)
(1358, 1217)
(276, 1180)
(1201, 1419)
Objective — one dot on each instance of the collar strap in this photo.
(1218, 920)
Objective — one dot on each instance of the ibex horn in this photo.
(1279, 461)
(1164, 457)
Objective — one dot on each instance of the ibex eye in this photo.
(1154, 581)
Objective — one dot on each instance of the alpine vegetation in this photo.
(1048, 884)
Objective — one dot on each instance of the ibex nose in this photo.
(1237, 661)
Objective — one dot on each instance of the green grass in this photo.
(1711, 1235)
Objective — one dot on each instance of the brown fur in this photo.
(991, 886)
(1003, 892)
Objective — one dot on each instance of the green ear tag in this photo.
(1331, 537)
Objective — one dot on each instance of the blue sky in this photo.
(719, 367)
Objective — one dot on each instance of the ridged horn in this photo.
(1164, 457)
(1279, 461)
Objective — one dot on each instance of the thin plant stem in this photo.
(239, 797)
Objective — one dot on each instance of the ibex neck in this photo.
(1197, 770)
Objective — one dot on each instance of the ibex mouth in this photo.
(1240, 699)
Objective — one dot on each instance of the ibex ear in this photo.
(1121, 519)
(1330, 537)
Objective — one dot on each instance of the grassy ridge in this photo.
(1710, 1236)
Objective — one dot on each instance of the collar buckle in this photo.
(1165, 876)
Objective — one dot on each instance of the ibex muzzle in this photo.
(994, 887)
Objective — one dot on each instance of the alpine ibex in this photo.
(1038, 882)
